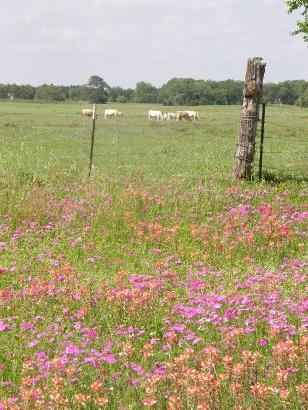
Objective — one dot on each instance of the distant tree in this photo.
(4, 90)
(121, 99)
(114, 93)
(302, 25)
(78, 93)
(145, 93)
(50, 93)
(302, 101)
(25, 92)
(98, 89)
(129, 94)
(286, 93)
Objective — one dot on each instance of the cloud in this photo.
(132, 40)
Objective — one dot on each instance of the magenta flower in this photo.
(41, 355)
(26, 326)
(73, 350)
(138, 369)
(109, 358)
(262, 342)
(5, 294)
(33, 343)
(4, 327)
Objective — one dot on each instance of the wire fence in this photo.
(285, 146)
(284, 149)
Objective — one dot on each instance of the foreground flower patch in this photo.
(149, 308)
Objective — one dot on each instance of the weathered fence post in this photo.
(92, 139)
(245, 147)
(261, 141)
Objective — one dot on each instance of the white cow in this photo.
(171, 116)
(165, 116)
(155, 114)
(193, 115)
(112, 113)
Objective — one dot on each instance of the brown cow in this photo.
(182, 115)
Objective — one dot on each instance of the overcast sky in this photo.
(126, 41)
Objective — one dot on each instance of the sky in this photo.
(126, 41)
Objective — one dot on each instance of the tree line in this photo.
(177, 91)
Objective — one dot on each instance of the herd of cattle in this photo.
(152, 115)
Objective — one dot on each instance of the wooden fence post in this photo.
(92, 139)
(245, 147)
(261, 141)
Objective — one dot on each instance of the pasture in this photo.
(160, 282)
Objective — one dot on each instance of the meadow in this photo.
(161, 281)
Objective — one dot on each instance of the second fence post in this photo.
(261, 142)
(92, 139)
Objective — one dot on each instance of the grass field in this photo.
(160, 282)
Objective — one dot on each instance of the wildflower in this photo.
(128, 349)
(138, 369)
(96, 386)
(262, 342)
(26, 326)
(260, 390)
(4, 327)
(284, 394)
(109, 358)
(81, 398)
(149, 401)
(41, 355)
(73, 350)
(101, 401)
(203, 406)
(174, 403)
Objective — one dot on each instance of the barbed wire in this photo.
(284, 106)
(286, 126)
(284, 153)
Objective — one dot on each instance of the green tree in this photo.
(50, 93)
(302, 25)
(121, 99)
(97, 89)
(302, 101)
(4, 90)
(146, 93)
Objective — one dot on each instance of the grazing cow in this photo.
(86, 112)
(193, 115)
(155, 114)
(182, 115)
(112, 113)
(171, 116)
(165, 116)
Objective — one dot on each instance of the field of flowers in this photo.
(152, 293)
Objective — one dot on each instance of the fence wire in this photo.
(273, 151)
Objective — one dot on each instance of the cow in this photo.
(165, 116)
(171, 116)
(155, 114)
(182, 115)
(193, 115)
(112, 113)
(86, 112)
